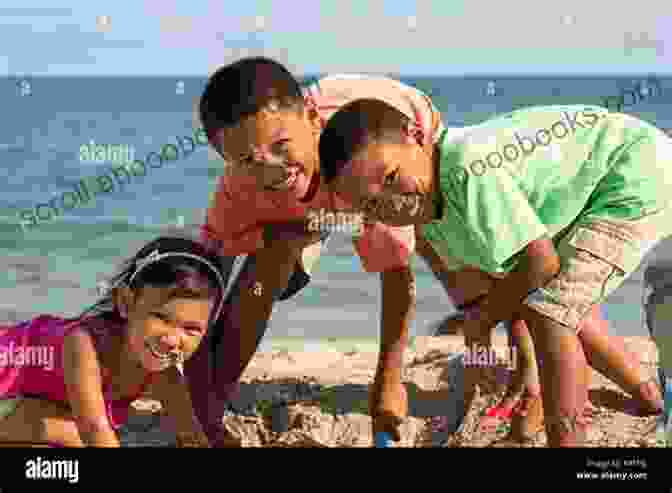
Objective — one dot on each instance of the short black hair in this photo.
(244, 88)
(353, 127)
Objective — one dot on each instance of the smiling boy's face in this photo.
(390, 183)
(277, 146)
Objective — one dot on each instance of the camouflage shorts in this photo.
(597, 255)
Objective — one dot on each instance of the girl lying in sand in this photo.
(70, 382)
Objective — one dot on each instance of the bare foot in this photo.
(528, 418)
(647, 400)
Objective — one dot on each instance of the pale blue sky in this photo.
(447, 37)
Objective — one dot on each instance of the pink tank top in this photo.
(31, 363)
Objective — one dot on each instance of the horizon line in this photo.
(479, 75)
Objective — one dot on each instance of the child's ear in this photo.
(415, 135)
(418, 135)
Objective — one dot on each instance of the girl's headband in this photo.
(155, 256)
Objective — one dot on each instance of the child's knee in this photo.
(543, 327)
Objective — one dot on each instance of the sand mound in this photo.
(310, 399)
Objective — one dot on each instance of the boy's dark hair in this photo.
(244, 88)
(355, 126)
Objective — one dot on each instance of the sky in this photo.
(444, 37)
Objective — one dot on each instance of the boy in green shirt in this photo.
(561, 201)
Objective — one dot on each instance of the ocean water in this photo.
(54, 266)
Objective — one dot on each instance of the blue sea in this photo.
(53, 267)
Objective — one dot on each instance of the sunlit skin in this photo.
(273, 144)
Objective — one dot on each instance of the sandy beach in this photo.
(326, 396)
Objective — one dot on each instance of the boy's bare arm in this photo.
(538, 265)
(275, 264)
(398, 308)
(387, 406)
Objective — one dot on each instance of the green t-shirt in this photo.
(534, 172)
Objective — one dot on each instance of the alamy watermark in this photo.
(488, 357)
(322, 221)
(16, 356)
(106, 153)
(64, 470)
(371, 209)
(118, 175)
